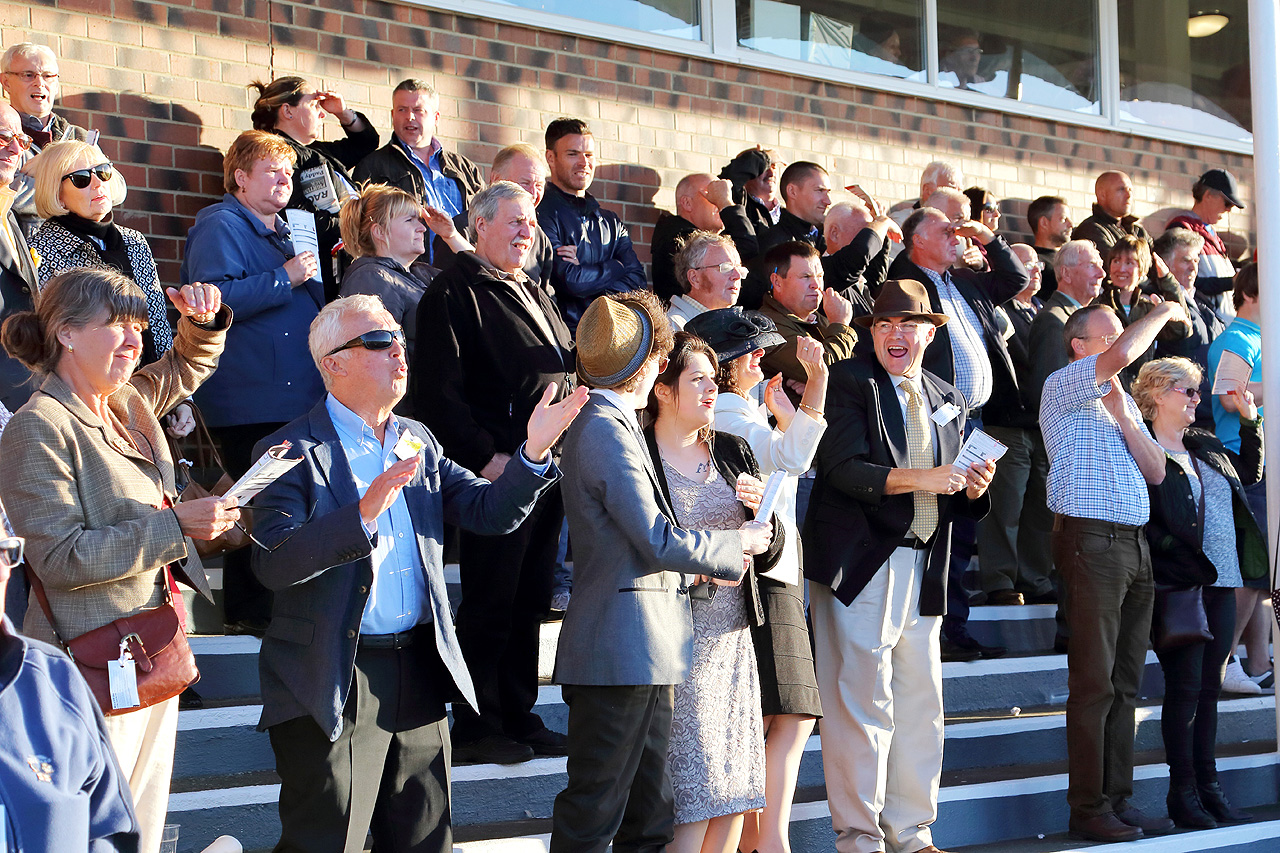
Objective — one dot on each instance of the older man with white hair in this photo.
(490, 342)
(29, 75)
(709, 268)
(361, 656)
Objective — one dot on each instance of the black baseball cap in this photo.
(1225, 183)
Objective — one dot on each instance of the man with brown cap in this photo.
(627, 635)
(876, 546)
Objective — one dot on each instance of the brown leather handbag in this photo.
(154, 639)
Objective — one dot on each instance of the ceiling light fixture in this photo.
(1203, 24)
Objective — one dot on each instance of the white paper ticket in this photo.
(408, 446)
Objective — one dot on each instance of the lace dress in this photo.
(717, 746)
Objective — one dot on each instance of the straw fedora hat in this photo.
(902, 298)
(614, 339)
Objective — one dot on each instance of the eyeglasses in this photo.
(1106, 339)
(11, 550)
(725, 268)
(33, 76)
(7, 139)
(907, 327)
(1034, 266)
(378, 339)
(991, 208)
(81, 178)
(1192, 393)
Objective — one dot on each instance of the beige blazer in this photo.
(88, 502)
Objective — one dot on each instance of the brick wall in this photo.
(165, 84)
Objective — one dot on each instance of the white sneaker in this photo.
(1237, 681)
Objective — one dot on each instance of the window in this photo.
(1186, 72)
(676, 18)
(885, 37)
(1014, 50)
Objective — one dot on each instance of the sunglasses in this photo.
(724, 268)
(81, 178)
(376, 340)
(1192, 393)
(7, 139)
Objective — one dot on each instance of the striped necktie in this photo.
(920, 455)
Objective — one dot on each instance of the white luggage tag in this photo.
(122, 676)
(408, 446)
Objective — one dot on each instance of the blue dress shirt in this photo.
(441, 191)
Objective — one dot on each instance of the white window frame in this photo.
(719, 43)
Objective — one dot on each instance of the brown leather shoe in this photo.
(1003, 598)
(1104, 828)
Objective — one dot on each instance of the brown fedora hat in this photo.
(902, 298)
(614, 339)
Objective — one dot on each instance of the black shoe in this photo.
(1216, 804)
(491, 749)
(1105, 828)
(1185, 808)
(190, 700)
(1005, 598)
(952, 653)
(547, 742)
(966, 641)
(1148, 824)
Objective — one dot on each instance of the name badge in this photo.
(122, 677)
(945, 414)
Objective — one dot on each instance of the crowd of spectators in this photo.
(424, 337)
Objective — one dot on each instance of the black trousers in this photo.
(388, 771)
(619, 787)
(244, 598)
(1192, 682)
(506, 593)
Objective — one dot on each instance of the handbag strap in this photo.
(38, 588)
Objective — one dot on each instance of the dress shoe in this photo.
(1105, 828)
(190, 700)
(1216, 803)
(253, 627)
(1148, 824)
(491, 749)
(952, 653)
(966, 641)
(1185, 808)
(1004, 598)
(546, 742)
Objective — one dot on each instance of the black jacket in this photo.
(1177, 546)
(732, 456)
(17, 284)
(668, 235)
(746, 223)
(482, 362)
(790, 227)
(1019, 345)
(983, 291)
(607, 263)
(1103, 230)
(390, 165)
(852, 526)
(538, 266)
(339, 156)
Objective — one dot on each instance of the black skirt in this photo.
(784, 656)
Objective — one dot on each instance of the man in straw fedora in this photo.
(876, 545)
(627, 635)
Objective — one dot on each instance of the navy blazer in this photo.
(321, 569)
(852, 526)
(983, 291)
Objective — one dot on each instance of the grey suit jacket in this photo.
(321, 569)
(628, 622)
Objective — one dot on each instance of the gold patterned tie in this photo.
(920, 455)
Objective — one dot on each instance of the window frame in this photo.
(719, 43)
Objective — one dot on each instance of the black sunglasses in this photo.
(375, 340)
(81, 178)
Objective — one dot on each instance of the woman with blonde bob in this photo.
(384, 229)
(87, 479)
(1201, 534)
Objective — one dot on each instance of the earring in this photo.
(71, 349)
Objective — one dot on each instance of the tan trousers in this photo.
(144, 742)
(879, 671)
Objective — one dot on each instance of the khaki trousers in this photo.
(879, 670)
(143, 741)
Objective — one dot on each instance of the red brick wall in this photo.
(165, 83)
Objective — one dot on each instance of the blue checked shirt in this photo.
(972, 365)
(1092, 474)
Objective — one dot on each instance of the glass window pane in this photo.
(1172, 78)
(677, 18)
(875, 36)
(1044, 54)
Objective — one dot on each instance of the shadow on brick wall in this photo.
(157, 146)
(629, 189)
